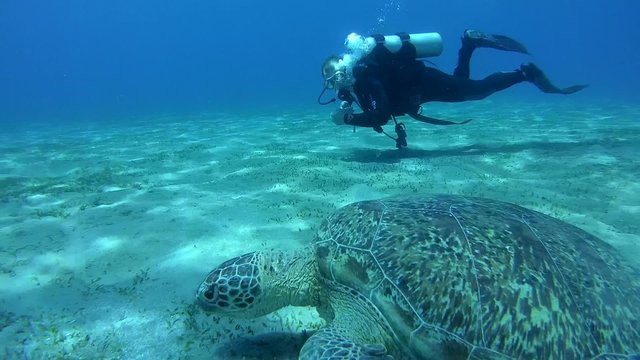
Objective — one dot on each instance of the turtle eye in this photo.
(208, 294)
(211, 292)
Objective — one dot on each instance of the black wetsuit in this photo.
(394, 84)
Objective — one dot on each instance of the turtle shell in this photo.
(464, 278)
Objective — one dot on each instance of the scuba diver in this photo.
(386, 84)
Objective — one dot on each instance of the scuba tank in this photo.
(427, 44)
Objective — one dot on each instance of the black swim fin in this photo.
(430, 120)
(479, 39)
(536, 76)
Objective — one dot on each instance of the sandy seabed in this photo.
(106, 229)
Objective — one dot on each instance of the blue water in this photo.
(163, 138)
(76, 60)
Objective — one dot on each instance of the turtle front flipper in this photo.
(334, 343)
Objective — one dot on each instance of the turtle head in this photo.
(257, 283)
(233, 287)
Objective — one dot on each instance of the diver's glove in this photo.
(345, 111)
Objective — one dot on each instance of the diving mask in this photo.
(334, 81)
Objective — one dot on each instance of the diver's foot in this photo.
(533, 74)
(479, 39)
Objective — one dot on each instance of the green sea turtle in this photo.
(443, 277)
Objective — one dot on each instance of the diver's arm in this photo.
(345, 95)
(375, 106)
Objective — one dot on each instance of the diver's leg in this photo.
(439, 86)
(464, 60)
(480, 89)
